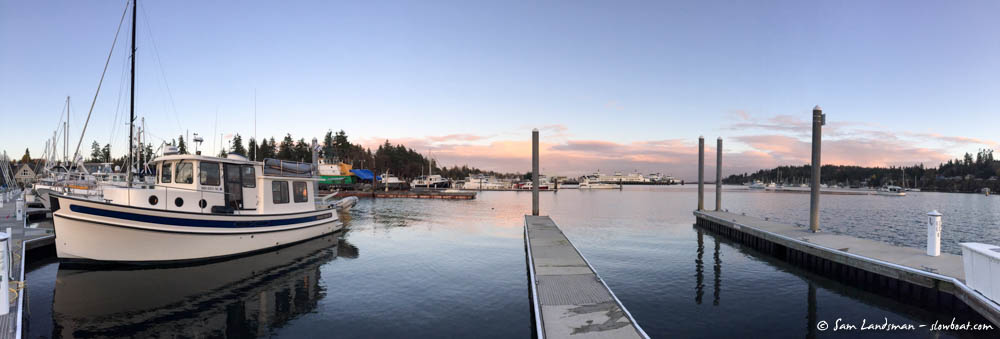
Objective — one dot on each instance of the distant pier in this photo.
(568, 298)
(906, 273)
(459, 195)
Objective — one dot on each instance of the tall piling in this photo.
(701, 173)
(718, 175)
(819, 119)
(534, 172)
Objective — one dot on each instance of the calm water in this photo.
(430, 268)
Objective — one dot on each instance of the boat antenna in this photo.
(131, 109)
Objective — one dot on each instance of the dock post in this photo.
(934, 233)
(534, 172)
(701, 173)
(819, 119)
(718, 175)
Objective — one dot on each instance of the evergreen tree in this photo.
(286, 151)
(252, 150)
(95, 152)
(329, 147)
(302, 151)
(238, 146)
(181, 146)
(106, 153)
(26, 157)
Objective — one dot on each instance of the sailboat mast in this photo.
(131, 109)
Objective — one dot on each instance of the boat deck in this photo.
(23, 238)
(569, 299)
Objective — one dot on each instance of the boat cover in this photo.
(364, 174)
(275, 167)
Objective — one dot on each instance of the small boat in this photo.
(430, 181)
(891, 190)
(568, 184)
(757, 185)
(391, 182)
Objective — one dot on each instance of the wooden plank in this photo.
(568, 297)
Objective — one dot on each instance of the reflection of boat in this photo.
(242, 297)
(891, 190)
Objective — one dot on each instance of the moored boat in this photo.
(200, 208)
(891, 190)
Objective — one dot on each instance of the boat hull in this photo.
(89, 231)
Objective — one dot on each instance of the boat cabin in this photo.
(231, 185)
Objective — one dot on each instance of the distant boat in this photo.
(430, 181)
(569, 184)
(586, 184)
(891, 190)
(757, 185)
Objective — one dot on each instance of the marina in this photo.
(356, 170)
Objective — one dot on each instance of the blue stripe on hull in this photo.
(152, 219)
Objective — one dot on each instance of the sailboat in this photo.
(199, 207)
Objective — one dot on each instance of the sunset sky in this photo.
(612, 85)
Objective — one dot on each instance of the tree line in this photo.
(971, 173)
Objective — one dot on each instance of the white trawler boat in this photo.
(200, 207)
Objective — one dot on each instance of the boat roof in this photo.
(174, 157)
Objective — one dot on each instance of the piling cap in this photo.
(934, 213)
(534, 130)
(720, 138)
(817, 108)
(701, 137)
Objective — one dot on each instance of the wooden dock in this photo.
(23, 238)
(569, 299)
(906, 273)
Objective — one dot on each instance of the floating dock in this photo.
(22, 239)
(906, 273)
(459, 195)
(569, 299)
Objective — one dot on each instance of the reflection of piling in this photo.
(819, 119)
(811, 312)
(534, 172)
(699, 269)
(701, 173)
(718, 274)
(718, 175)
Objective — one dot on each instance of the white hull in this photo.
(95, 231)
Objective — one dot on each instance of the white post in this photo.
(5, 271)
(20, 209)
(934, 233)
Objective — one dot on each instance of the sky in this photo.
(612, 85)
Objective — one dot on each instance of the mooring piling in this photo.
(718, 174)
(534, 172)
(819, 119)
(701, 173)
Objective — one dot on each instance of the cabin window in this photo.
(279, 192)
(166, 173)
(208, 173)
(301, 191)
(185, 173)
(249, 180)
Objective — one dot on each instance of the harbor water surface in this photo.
(432, 268)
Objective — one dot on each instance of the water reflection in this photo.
(699, 269)
(242, 297)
